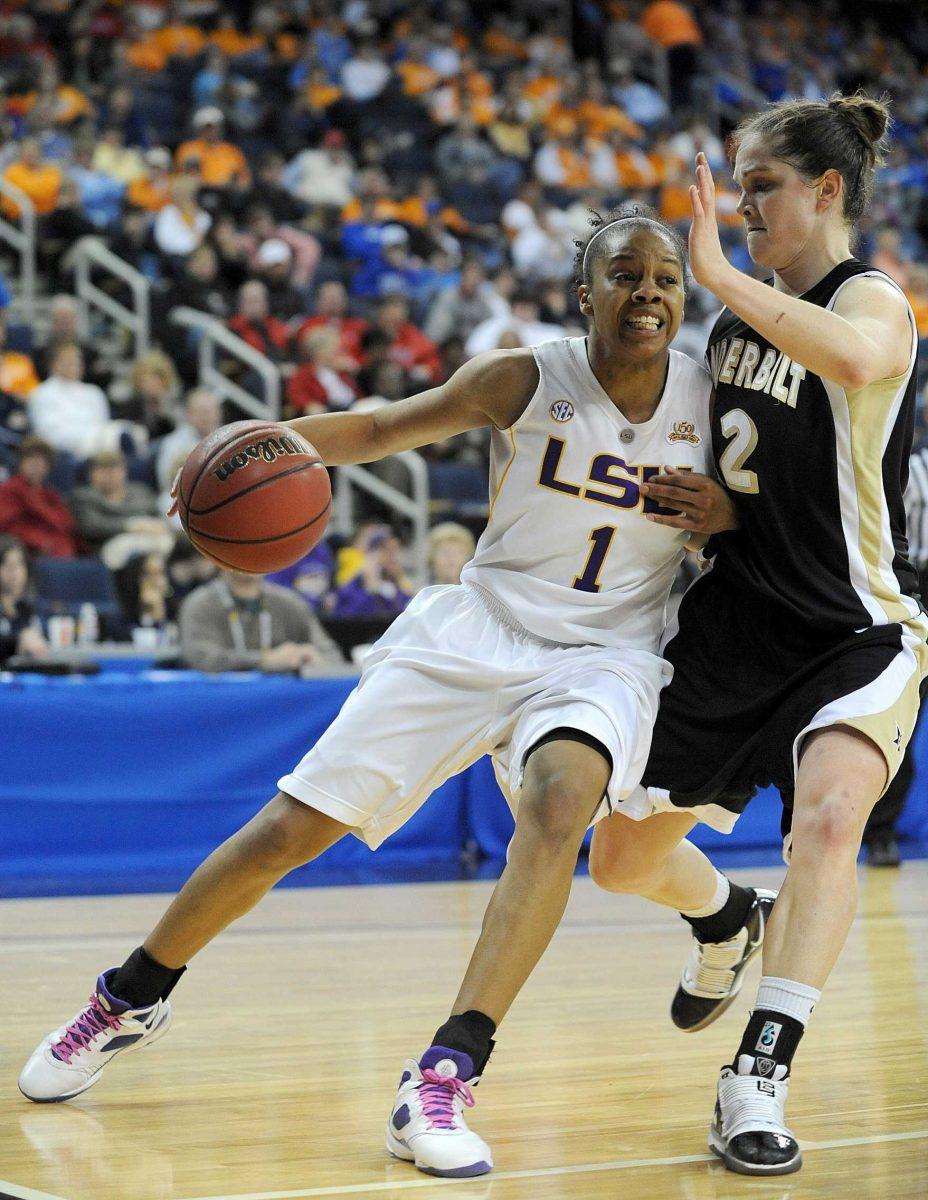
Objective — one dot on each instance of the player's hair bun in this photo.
(870, 118)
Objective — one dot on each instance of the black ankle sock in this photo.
(141, 980)
(770, 1038)
(728, 920)
(471, 1033)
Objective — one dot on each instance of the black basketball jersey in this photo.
(817, 477)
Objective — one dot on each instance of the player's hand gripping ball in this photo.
(254, 496)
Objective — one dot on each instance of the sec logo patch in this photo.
(562, 410)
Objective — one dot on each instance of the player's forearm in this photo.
(821, 341)
(341, 438)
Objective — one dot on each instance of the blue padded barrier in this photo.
(122, 782)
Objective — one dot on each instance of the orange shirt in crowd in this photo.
(144, 55)
(220, 162)
(412, 211)
(70, 104)
(417, 78)
(321, 95)
(143, 194)
(17, 374)
(635, 169)
(575, 167)
(41, 184)
(542, 92)
(232, 43)
(919, 302)
(670, 24)
(179, 41)
(675, 202)
(500, 45)
(385, 209)
(598, 119)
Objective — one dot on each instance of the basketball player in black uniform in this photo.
(800, 653)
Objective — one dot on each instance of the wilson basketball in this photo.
(254, 496)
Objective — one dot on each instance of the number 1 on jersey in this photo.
(601, 538)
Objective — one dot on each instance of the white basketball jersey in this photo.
(567, 548)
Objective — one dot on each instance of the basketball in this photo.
(254, 496)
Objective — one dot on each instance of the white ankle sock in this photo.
(796, 1000)
(718, 901)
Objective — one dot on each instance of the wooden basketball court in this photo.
(291, 1030)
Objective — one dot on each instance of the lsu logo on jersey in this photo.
(740, 363)
(610, 479)
(684, 431)
(561, 410)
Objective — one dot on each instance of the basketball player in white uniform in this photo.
(545, 657)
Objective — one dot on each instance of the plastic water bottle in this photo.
(88, 625)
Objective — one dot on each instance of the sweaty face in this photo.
(777, 205)
(635, 296)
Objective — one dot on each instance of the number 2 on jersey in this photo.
(738, 426)
(588, 580)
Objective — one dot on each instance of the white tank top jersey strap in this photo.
(568, 549)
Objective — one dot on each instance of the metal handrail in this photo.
(348, 479)
(22, 239)
(414, 507)
(89, 252)
(213, 335)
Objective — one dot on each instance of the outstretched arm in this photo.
(491, 389)
(865, 338)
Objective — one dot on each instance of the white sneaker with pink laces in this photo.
(70, 1060)
(427, 1123)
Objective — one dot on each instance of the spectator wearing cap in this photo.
(304, 249)
(68, 413)
(118, 518)
(409, 347)
(380, 588)
(41, 181)
(220, 164)
(317, 385)
(32, 510)
(254, 323)
(322, 176)
(202, 416)
(152, 189)
(310, 577)
(181, 226)
(274, 267)
(389, 267)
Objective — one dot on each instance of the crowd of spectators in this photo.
(368, 192)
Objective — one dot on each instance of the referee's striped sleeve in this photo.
(916, 508)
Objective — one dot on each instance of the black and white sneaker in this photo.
(748, 1131)
(714, 973)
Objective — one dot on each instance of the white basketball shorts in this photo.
(453, 678)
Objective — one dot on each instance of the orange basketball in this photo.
(254, 496)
